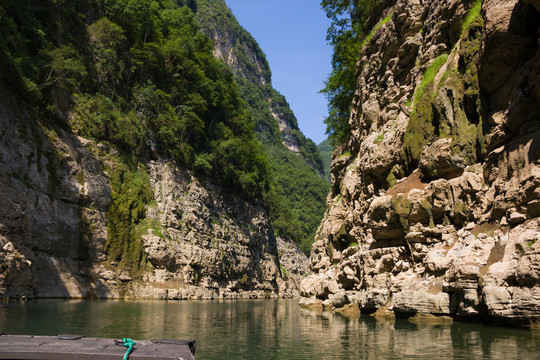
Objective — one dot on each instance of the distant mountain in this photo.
(298, 198)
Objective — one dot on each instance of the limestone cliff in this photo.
(110, 186)
(434, 206)
(199, 240)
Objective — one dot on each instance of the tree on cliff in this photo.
(350, 19)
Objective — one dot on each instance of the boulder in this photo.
(420, 301)
(338, 300)
(439, 161)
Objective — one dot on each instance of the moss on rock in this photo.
(402, 207)
(450, 107)
(131, 192)
(420, 129)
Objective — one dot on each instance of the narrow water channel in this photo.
(266, 329)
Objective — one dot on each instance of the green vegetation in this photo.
(326, 149)
(428, 122)
(420, 129)
(372, 33)
(391, 178)
(330, 249)
(429, 77)
(296, 199)
(146, 224)
(350, 30)
(402, 207)
(379, 138)
(139, 72)
(131, 192)
(284, 272)
(472, 15)
(244, 280)
(214, 15)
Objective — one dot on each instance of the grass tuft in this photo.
(473, 13)
(429, 76)
(374, 31)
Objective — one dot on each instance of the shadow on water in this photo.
(265, 329)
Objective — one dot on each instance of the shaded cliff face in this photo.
(53, 214)
(434, 200)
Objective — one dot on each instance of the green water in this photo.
(266, 329)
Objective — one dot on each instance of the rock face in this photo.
(294, 266)
(52, 215)
(436, 209)
(212, 243)
(200, 241)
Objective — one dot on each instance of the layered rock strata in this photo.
(435, 200)
(199, 240)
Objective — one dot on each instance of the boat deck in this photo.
(74, 347)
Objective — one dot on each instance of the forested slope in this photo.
(297, 198)
(326, 149)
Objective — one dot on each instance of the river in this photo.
(266, 329)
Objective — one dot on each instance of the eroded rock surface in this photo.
(436, 209)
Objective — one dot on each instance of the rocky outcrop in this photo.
(434, 203)
(205, 243)
(285, 127)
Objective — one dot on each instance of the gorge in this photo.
(144, 154)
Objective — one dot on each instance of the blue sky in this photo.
(292, 34)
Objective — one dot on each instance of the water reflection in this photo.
(265, 329)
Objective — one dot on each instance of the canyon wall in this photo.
(434, 206)
(199, 240)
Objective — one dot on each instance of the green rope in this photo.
(129, 344)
